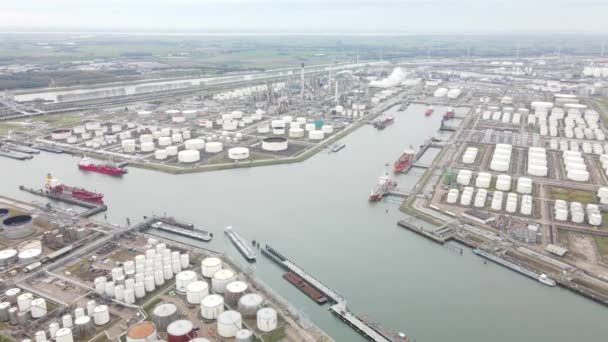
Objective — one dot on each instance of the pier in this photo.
(240, 244)
(441, 235)
(160, 224)
(515, 267)
(93, 209)
(423, 148)
(339, 307)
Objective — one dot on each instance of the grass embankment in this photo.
(572, 195)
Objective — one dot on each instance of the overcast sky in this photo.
(319, 16)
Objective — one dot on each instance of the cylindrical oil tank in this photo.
(147, 146)
(163, 314)
(182, 279)
(267, 319)
(18, 226)
(180, 331)
(4, 306)
(12, 315)
(210, 265)
(101, 315)
(24, 301)
(140, 290)
(316, 135)
(30, 254)
(149, 283)
(22, 318)
(142, 332)
(184, 260)
(130, 283)
(196, 291)
(12, 294)
(212, 306)
(38, 307)
(129, 296)
(90, 307)
(214, 147)
(78, 312)
(62, 335)
(238, 153)
(168, 271)
(221, 278)
(8, 257)
(40, 336)
(110, 289)
(249, 304)
(243, 335)
(66, 321)
(274, 144)
(61, 134)
(188, 156)
(159, 277)
(119, 292)
(83, 327)
(228, 323)
(234, 291)
(100, 285)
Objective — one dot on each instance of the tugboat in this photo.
(385, 184)
(55, 187)
(384, 122)
(449, 114)
(429, 111)
(405, 161)
(107, 169)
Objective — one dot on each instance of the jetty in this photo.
(93, 208)
(339, 305)
(240, 244)
(192, 233)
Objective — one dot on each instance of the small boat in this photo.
(429, 111)
(449, 114)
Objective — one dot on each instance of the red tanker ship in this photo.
(107, 169)
(55, 187)
(405, 160)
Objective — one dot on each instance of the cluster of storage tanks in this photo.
(501, 159)
(576, 168)
(482, 184)
(142, 275)
(239, 93)
(537, 162)
(234, 120)
(297, 128)
(577, 212)
(576, 125)
(93, 133)
(573, 145)
(380, 96)
(225, 291)
(163, 138)
(596, 72)
(469, 155)
(453, 93)
(354, 113)
(19, 308)
(507, 115)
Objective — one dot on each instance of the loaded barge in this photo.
(513, 266)
(183, 231)
(305, 287)
(240, 244)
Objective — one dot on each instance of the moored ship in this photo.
(384, 122)
(385, 184)
(449, 114)
(107, 169)
(405, 161)
(55, 187)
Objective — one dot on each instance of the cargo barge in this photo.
(48, 148)
(5, 152)
(240, 244)
(187, 232)
(303, 286)
(22, 149)
(337, 147)
(513, 266)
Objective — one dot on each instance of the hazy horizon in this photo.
(318, 17)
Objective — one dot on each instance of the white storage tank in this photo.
(212, 306)
(483, 180)
(101, 315)
(316, 135)
(24, 301)
(188, 156)
(249, 304)
(182, 279)
(464, 177)
(63, 335)
(480, 198)
(38, 308)
(503, 182)
(452, 196)
(267, 319)
(128, 145)
(228, 323)
(511, 206)
(160, 154)
(296, 132)
(497, 198)
(234, 291)
(274, 144)
(214, 147)
(524, 185)
(210, 265)
(66, 321)
(147, 146)
(238, 153)
(220, 279)
(196, 291)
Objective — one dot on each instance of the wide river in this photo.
(317, 214)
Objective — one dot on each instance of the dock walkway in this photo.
(339, 307)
